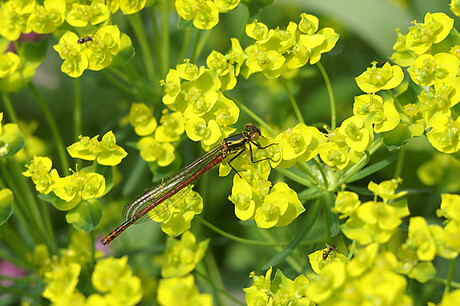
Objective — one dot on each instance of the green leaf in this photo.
(423, 272)
(255, 6)
(86, 216)
(34, 53)
(58, 202)
(395, 138)
(372, 169)
(305, 226)
(184, 24)
(125, 54)
(6, 205)
(11, 140)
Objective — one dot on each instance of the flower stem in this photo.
(259, 120)
(54, 129)
(77, 109)
(294, 105)
(450, 276)
(165, 45)
(330, 93)
(136, 23)
(9, 108)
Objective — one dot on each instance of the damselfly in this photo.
(140, 209)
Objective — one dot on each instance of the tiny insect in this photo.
(330, 248)
(85, 40)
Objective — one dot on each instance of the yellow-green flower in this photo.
(241, 197)
(451, 298)
(181, 256)
(172, 126)
(420, 238)
(113, 276)
(332, 277)
(436, 102)
(445, 134)
(386, 189)
(9, 63)
(189, 71)
(375, 79)
(318, 262)
(280, 207)
(422, 35)
(346, 203)
(300, 142)
(452, 235)
(79, 185)
(106, 152)
(131, 7)
(197, 130)
(333, 155)
(80, 15)
(308, 24)
(75, 61)
(141, 118)
(46, 18)
(267, 61)
(13, 18)
(61, 282)
(384, 115)
(450, 207)
(181, 291)
(358, 135)
(199, 95)
(204, 13)
(41, 174)
(171, 87)
(426, 69)
(236, 56)
(225, 71)
(257, 30)
(154, 151)
(104, 45)
(226, 5)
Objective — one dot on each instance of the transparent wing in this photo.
(161, 188)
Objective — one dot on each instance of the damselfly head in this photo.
(252, 131)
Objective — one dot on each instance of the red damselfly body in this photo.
(140, 209)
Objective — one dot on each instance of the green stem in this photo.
(320, 167)
(259, 120)
(16, 244)
(450, 275)
(165, 45)
(238, 239)
(54, 129)
(293, 176)
(136, 23)
(330, 93)
(9, 108)
(195, 46)
(23, 214)
(294, 105)
(400, 163)
(125, 88)
(222, 291)
(77, 109)
(185, 45)
(201, 45)
(32, 205)
(289, 258)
